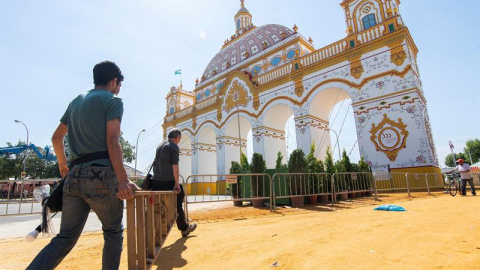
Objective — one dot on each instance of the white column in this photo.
(268, 142)
(311, 129)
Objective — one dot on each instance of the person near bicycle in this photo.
(464, 170)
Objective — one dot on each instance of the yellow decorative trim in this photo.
(386, 106)
(389, 137)
(298, 80)
(219, 115)
(356, 67)
(237, 95)
(398, 55)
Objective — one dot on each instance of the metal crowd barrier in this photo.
(353, 184)
(228, 187)
(150, 217)
(289, 185)
(16, 197)
(408, 181)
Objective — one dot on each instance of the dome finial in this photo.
(242, 3)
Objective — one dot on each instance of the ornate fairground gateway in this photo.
(265, 74)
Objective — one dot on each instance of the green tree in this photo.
(278, 162)
(346, 162)
(363, 166)
(450, 161)
(297, 163)
(127, 149)
(258, 166)
(473, 146)
(329, 167)
(244, 165)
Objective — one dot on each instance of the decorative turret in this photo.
(178, 99)
(243, 19)
(365, 14)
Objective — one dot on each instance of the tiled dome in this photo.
(251, 43)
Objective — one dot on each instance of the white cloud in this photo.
(202, 34)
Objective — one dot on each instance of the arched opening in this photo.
(185, 163)
(274, 126)
(333, 110)
(238, 129)
(206, 150)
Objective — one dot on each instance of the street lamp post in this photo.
(338, 143)
(136, 151)
(25, 160)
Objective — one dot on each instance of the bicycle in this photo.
(455, 185)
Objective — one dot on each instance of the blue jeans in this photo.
(84, 189)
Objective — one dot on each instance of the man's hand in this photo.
(125, 189)
(63, 170)
(177, 188)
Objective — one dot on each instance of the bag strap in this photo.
(89, 157)
(154, 160)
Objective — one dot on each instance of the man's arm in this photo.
(176, 173)
(116, 158)
(59, 148)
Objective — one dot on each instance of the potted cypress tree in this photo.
(330, 169)
(313, 181)
(236, 188)
(258, 166)
(297, 164)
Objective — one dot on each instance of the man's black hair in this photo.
(106, 71)
(174, 133)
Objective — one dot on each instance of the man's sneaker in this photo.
(190, 229)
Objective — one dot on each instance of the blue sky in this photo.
(48, 49)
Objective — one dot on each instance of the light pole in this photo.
(338, 143)
(25, 160)
(136, 152)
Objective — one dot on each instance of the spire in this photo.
(243, 18)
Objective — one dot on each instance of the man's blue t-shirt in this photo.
(86, 118)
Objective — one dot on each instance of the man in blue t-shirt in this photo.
(95, 178)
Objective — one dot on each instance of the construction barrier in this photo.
(16, 196)
(353, 184)
(150, 217)
(228, 187)
(291, 185)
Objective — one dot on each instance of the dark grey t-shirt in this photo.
(167, 155)
(86, 118)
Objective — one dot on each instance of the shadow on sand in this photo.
(171, 256)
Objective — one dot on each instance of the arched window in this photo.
(369, 21)
(238, 24)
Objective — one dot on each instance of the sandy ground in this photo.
(436, 232)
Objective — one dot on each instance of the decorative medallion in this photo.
(237, 95)
(299, 89)
(389, 136)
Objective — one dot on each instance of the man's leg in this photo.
(182, 224)
(472, 187)
(101, 194)
(74, 215)
(464, 187)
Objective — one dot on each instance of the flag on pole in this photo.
(451, 145)
(178, 72)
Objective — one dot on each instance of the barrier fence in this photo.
(16, 197)
(228, 187)
(351, 185)
(150, 217)
(291, 185)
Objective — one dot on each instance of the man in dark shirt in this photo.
(166, 176)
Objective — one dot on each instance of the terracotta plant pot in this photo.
(257, 203)
(352, 194)
(368, 193)
(297, 201)
(237, 203)
(322, 198)
(363, 193)
(359, 194)
(312, 199)
(342, 196)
